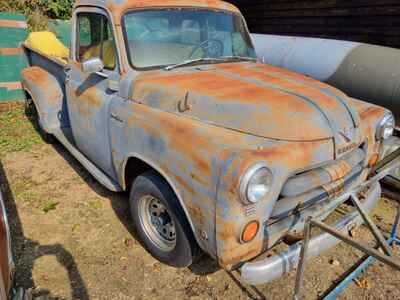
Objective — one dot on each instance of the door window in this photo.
(95, 39)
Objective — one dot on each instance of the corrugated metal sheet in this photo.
(13, 30)
(368, 21)
(62, 30)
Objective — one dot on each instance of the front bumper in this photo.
(264, 271)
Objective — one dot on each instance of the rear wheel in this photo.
(160, 222)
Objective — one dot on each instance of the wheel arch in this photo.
(146, 165)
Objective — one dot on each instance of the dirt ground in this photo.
(74, 240)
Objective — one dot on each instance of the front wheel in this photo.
(160, 221)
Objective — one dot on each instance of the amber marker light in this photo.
(373, 160)
(250, 231)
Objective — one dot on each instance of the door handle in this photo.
(116, 118)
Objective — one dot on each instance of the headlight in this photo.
(386, 127)
(255, 184)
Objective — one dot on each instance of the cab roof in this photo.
(118, 7)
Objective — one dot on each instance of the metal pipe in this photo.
(303, 258)
(374, 230)
(385, 161)
(358, 245)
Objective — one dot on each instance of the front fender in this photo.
(283, 159)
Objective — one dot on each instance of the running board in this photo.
(89, 166)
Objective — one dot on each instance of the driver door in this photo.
(89, 94)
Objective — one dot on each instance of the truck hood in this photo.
(252, 98)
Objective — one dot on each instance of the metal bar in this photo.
(388, 159)
(374, 230)
(392, 182)
(365, 264)
(358, 245)
(396, 224)
(378, 172)
(345, 283)
(302, 261)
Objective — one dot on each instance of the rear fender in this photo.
(47, 95)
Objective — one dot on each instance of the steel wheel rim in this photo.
(157, 223)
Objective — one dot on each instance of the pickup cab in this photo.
(219, 153)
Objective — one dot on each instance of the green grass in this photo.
(23, 192)
(49, 206)
(17, 132)
(95, 204)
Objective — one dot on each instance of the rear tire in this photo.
(160, 221)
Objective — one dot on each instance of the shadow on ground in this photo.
(119, 202)
(27, 251)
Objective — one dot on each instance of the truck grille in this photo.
(308, 188)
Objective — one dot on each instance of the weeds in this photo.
(17, 132)
(95, 204)
(49, 206)
(23, 192)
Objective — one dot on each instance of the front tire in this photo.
(160, 221)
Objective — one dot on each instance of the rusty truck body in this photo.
(220, 153)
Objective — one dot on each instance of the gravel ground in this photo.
(74, 240)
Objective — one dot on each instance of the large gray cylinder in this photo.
(367, 72)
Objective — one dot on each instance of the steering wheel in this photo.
(213, 47)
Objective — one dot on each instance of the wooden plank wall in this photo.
(369, 21)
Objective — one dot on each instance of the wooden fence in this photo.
(369, 21)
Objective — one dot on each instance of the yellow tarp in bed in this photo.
(47, 43)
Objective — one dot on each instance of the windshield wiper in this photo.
(237, 57)
(209, 59)
(189, 62)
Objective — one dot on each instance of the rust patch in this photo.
(89, 98)
(184, 184)
(41, 79)
(181, 135)
(118, 9)
(261, 72)
(264, 99)
(240, 254)
(37, 75)
(372, 112)
(196, 213)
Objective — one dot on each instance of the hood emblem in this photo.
(347, 134)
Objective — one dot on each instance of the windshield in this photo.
(166, 37)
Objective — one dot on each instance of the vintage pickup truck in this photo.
(220, 153)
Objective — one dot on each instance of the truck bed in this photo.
(53, 65)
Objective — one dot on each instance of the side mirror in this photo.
(93, 65)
